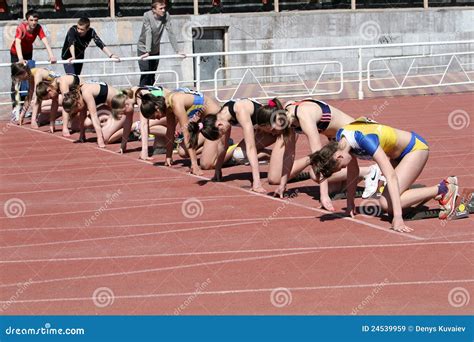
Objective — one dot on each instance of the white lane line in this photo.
(254, 291)
(243, 251)
(174, 231)
(69, 169)
(108, 209)
(173, 223)
(159, 269)
(89, 187)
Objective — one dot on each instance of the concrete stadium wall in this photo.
(253, 31)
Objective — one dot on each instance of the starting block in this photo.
(464, 207)
(302, 176)
(343, 195)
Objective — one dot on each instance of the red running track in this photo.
(88, 231)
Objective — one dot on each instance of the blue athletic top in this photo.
(365, 136)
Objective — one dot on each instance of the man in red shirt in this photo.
(26, 33)
(22, 47)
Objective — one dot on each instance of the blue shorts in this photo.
(417, 143)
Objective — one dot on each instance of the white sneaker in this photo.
(15, 116)
(372, 181)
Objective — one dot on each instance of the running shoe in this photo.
(15, 117)
(448, 200)
(449, 180)
(372, 181)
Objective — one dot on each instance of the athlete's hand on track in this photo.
(169, 161)
(280, 192)
(399, 226)
(259, 188)
(146, 158)
(327, 204)
(196, 170)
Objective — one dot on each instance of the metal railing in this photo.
(306, 91)
(359, 74)
(453, 61)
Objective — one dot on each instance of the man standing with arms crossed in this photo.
(154, 23)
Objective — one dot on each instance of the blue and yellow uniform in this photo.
(365, 136)
(197, 108)
(51, 74)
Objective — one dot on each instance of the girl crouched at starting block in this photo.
(49, 98)
(312, 118)
(401, 156)
(85, 101)
(123, 104)
(180, 106)
(217, 128)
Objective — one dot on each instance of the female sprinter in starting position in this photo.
(183, 105)
(218, 127)
(311, 117)
(401, 156)
(51, 90)
(33, 76)
(123, 104)
(87, 98)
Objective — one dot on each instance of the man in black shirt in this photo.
(77, 40)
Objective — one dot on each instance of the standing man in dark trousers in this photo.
(77, 40)
(154, 22)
